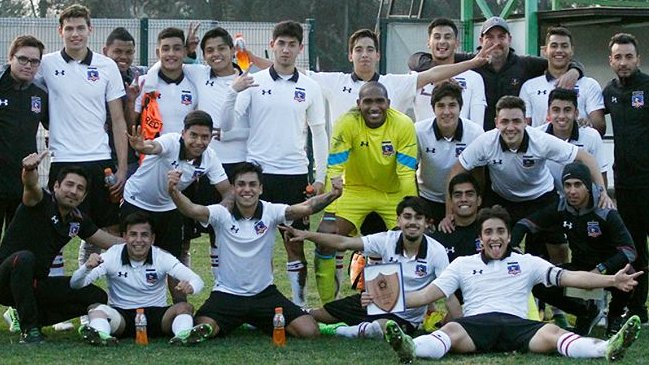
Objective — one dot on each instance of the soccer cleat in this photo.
(32, 336)
(401, 343)
(197, 334)
(618, 344)
(95, 337)
(63, 326)
(329, 329)
(11, 317)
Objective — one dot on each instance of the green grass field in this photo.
(249, 346)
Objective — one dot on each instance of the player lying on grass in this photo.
(136, 273)
(496, 284)
(422, 259)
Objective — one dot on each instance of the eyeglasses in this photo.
(23, 60)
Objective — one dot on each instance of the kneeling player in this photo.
(136, 273)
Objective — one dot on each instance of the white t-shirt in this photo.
(147, 188)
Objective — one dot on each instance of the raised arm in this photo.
(104, 239)
(32, 193)
(588, 160)
(314, 204)
(141, 145)
(588, 280)
(337, 242)
(184, 205)
(443, 72)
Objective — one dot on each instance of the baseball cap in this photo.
(494, 21)
(577, 170)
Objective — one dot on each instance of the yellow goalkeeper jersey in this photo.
(383, 158)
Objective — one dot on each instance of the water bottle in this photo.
(243, 58)
(110, 179)
(279, 333)
(140, 328)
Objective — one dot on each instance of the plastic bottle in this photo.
(243, 58)
(140, 328)
(279, 334)
(110, 179)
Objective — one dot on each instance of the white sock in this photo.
(100, 324)
(57, 267)
(295, 269)
(182, 322)
(340, 272)
(432, 346)
(362, 330)
(575, 346)
(214, 258)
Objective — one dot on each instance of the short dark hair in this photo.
(442, 22)
(198, 117)
(447, 88)
(288, 28)
(75, 11)
(217, 32)
(416, 203)
(119, 34)
(171, 32)
(73, 169)
(461, 178)
(246, 167)
(558, 31)
(363, 33)
(373, 85)
(25, 41)
(510, 102)
(624, 38)
(134, 218)
(563, 94)
(496, 212)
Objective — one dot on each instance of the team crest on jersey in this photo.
(478, 245)
(260, 227)
(593, 229)
(151, 276)
(420, 270)
(637, 99)
(186, 98)
(300, 94)
(387, 148)
(528, 161)
(459, 148)
(461, 81)
(576, 89)
(513, 268)
(93, 74)
(36, 104)
(74, 229)
(515, 81)
(198, 172)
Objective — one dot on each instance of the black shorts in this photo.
(167, 227)
(153, 321)
(286, 189)
(350, 311)
(499, 332)
(97, 204)
(231, 311)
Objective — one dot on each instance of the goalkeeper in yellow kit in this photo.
(374, 151)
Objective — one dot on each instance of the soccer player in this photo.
(559, 50)
(23, 106)
(440, 140)
(42, 225)
(244, 292)
(598, 240)
(146, 190)
(135, 272)
(276, 112)
(624, 100)
(422, 260)
(443, 42)
(562, 123)
(496, 284)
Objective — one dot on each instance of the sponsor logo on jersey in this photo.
(593, 229)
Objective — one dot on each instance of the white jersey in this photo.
(437, 155)
(136, 284)
(474, 101)
(535, 92)
(147, 188)
(245, 247)
(585, 138)
(177, 99)
(341, 90)
(520, 175)
(212, 91)
(418, 271)
(78, 92)
(501, 286)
